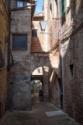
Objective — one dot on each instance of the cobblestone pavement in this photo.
(41, 114)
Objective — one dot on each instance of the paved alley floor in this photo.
(41, 114)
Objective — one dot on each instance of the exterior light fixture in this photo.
(43, 25)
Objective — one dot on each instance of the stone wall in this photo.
(72, 61)
(38, 42)
(40, 66)
(20, 73)
(54, 89)
(70, 66)
(13, 4)
(51, 32)
(4, 31)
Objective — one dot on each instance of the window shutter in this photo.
(63, 4)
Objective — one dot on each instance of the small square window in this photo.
(19, 42)
(20, 3)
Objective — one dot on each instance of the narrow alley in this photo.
(41, 114)
(41, 62)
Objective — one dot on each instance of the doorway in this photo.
(36, 90)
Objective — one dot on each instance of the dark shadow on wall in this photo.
(77, 97)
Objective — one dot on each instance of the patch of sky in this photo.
(39, 6)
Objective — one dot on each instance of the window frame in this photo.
(23, 2)
(18, 34)
(63, 11)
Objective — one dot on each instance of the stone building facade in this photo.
(40, 63)
(30, 62)
(71, 48)
(52, 42)
(37, 44)
(20, 39)
(4, 33)
(47, 47)
(69, 17)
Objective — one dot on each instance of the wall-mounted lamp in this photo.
(43, 25)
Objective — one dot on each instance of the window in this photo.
(71, 69)
(21, 3)
(34, 32)
(63, 10)
(19, 42)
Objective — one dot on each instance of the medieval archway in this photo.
(36, 88)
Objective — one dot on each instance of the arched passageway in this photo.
(37, 89)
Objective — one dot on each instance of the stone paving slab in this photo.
(38, 116)
(54, 113)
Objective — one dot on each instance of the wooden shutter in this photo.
(63, 4)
